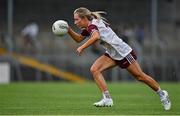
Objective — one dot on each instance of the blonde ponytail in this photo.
(97, 15)
(84, 12)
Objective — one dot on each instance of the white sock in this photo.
(160, 92)
(106, 95)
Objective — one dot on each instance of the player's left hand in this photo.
(79, 50)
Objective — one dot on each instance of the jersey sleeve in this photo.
(87, 32)
(92, 28)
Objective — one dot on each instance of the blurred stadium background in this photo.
(151, 27)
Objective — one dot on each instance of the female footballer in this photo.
(117, 53)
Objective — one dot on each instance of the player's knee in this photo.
(94, 70)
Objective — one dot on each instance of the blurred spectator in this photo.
(29, 34)
(140, 34)
(122, 35)
(131, 33)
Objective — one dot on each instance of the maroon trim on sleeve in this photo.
(91, 28)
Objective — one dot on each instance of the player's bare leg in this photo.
(101, 64)
(136, 71)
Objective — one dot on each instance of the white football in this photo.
(60, 27)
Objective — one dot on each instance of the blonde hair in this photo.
(84, 12)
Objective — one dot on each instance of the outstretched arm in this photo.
(77, 37)
(94, 37)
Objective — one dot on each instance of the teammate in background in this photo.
(29, 34)
(118, 53)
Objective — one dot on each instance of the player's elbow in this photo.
(79, 39)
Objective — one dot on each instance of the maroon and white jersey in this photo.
(114, 46)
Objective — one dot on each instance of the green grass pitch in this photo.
(48, 98)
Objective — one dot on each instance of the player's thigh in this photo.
(103, 63)
(135, 69)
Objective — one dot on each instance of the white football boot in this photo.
(165, 100)
(104, 103)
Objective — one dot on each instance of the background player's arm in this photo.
(77, 37)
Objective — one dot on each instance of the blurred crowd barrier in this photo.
(60, 52)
